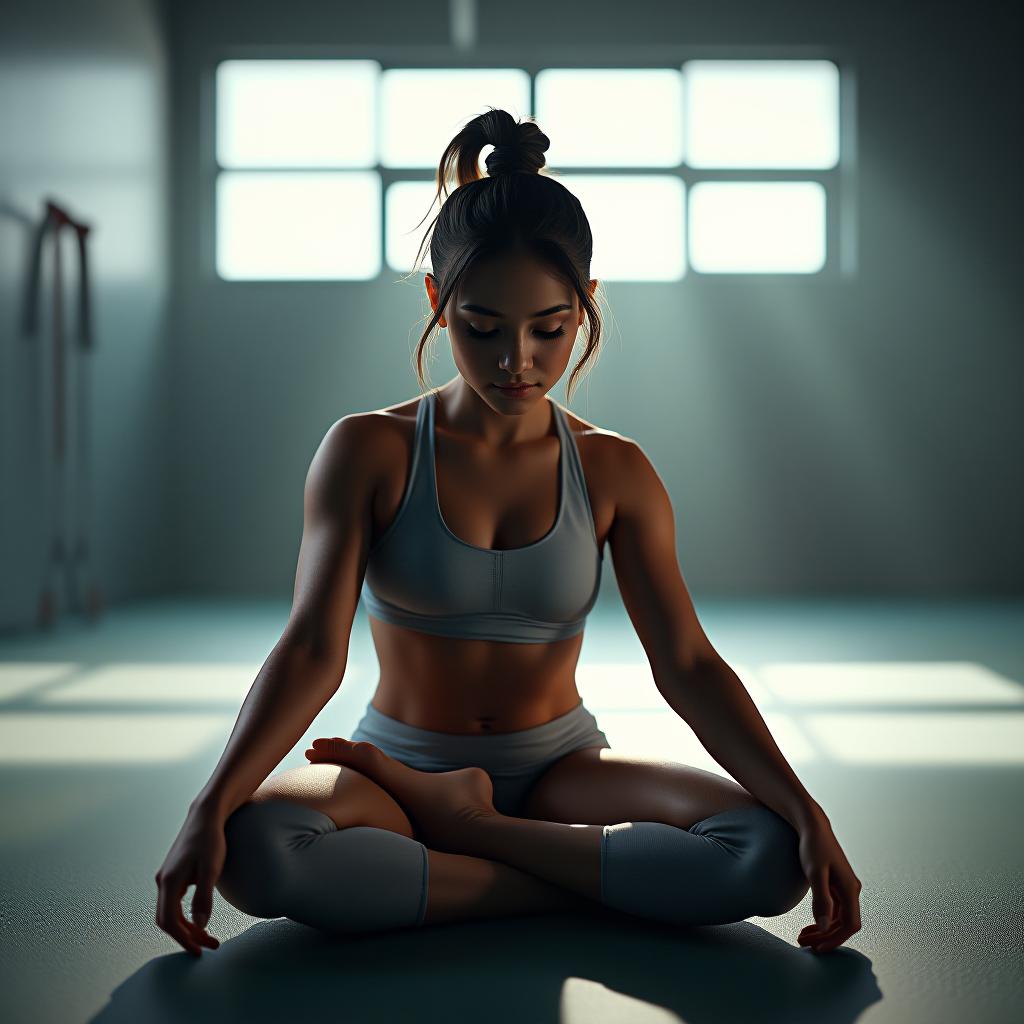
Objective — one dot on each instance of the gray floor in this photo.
(903, 720)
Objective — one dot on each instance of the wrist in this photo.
(208, 807)
(810, 817)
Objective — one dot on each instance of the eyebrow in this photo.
(484, 311)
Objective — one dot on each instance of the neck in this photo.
(459, 408)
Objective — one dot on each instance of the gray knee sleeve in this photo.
(288, 860)
(729, 866)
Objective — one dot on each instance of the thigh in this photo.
(346, 796)
(597, 786)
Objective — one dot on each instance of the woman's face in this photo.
(510, 343)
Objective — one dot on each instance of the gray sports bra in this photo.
(420, 575)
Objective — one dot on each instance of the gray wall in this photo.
(817, 436)
(84, 103)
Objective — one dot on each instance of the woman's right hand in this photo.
(196, 857)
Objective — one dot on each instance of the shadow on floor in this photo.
(545, 969)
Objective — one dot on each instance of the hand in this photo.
(835, 889)
(196, 856)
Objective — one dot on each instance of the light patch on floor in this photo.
(59, 739)
(922, 682)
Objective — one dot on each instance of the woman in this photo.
(473, 521)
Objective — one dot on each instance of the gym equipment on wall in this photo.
(70, 521)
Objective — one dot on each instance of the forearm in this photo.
(290, 690)
(713, 701)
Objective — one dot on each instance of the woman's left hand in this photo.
(835, 889)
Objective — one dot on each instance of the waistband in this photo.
(508, 750)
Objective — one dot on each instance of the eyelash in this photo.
(549, 335)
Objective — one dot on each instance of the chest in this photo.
(507, 501)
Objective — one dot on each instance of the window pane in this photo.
(637, 224)
(611, 117)
(757, 227)
(422, 109)
(284, 225)
(297, 113)
(762, 113)
(406, 203)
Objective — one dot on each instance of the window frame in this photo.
(839, 182)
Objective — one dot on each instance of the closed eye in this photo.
(474, 333)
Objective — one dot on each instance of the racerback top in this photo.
(420, 575)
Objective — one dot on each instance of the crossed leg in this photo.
(461, 887)
(347, 863)
(600, 786)
(640, 847)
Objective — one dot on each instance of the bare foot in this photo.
(440, 805)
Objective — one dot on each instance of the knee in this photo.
(256, 863)
(774, 863)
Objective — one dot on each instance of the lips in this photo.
(514, 387)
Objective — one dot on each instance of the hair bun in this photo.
(508, 158)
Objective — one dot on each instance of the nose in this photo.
(518, 357)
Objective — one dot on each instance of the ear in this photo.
(432, 294)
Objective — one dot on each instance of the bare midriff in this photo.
(482, 687)
(472, 687)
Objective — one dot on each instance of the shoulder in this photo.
(608, 452)
(375, 441)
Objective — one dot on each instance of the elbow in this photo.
(326, 655)
(694, 660)
(683, 673)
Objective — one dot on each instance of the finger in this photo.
(200, 917)
(834, 920)
(191, 939)
(830, 942)
(202, 901)
(813, 935)
(851, 903)
(838, 930)
(319, 755)
(181, 929)
(848, 902)
(178, 931)
(816, 938)
(202, 936)
(165, 919)
(821, 900)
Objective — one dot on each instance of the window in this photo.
(325, 167)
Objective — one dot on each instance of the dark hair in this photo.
(516, 207)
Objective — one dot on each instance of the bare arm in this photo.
(691, 675)
(306, 666)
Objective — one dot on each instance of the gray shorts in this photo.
(513, 760)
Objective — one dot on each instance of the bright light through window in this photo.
(757, 227)
(637, 223)
(611, 117)
(297, 113)
(284, 225)
(422, 109)
(762, 113)
(301, 144)
(407, 214)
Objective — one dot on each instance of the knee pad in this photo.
(773, 861)
(285, 859)
(724, 868)
(255, 867)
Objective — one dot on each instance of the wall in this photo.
(817, 437)
(84, 101)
